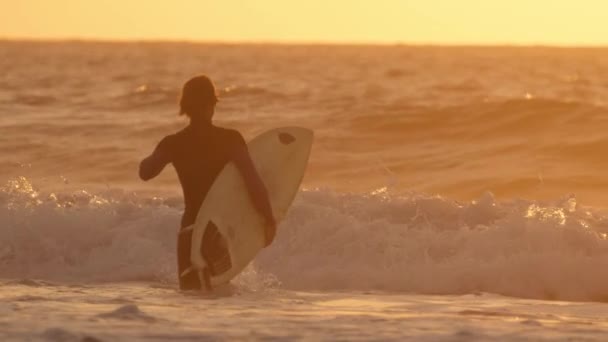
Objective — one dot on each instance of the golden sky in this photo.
(552, 22)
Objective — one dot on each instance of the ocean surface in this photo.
(453, 193)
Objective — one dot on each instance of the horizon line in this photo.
(296, 42)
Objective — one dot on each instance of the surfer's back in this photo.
(198, 154)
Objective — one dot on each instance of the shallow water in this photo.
(137, 311)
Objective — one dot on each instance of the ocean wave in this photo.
(423, 244)
(146, 95)
(496, 117)
(467, 85)
(33, 100)
(380, 241)
(397, 73)
(240, 91)
(78, 236)
(141, 96)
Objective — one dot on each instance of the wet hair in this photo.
(198, 92)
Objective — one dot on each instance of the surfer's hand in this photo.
(270, 231)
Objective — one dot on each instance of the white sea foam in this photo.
(422, 244)
(329, 241)
(85, 237)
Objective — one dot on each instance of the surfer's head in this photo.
(198, 98)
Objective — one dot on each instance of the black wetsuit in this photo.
(198, 155)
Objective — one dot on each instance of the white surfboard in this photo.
(280, 157)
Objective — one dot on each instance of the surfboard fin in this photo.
(187, 271)
(203, 275)
(205, 278)
(186, 230)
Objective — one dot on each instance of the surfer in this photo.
(198, 153)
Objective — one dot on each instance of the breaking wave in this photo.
(378, 241)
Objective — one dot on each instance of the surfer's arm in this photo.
(152, 165)
(257, 190)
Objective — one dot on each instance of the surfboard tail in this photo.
(209, 254)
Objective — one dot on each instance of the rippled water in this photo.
(519, 122)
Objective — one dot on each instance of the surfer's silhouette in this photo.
(198, 153)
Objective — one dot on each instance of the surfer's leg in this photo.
(190, 280)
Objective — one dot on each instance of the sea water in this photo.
(452, 193)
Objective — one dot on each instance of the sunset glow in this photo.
(383, 21)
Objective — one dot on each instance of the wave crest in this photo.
(329, 241)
